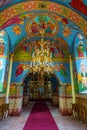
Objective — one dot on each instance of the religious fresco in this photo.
(20, 68)
(81, 49)
(80, 55)
(17, 20)
(61, 68)
(58, 49)
(2, 72)
(36, 24)
(22, 53)
(80, 46)
(3, 43)
(62, 71)
(82, 75)
(19, 39)
(49, 6)
(19, 71)
(2, 46)
(13, 88)
(57, 21)
(46, 22)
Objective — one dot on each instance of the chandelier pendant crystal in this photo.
(41, 61)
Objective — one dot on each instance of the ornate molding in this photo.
(23, 7)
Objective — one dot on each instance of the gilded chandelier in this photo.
(41, 61)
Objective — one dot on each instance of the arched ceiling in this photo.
(78, 5)
(14, 13)
(66, 19)
(57, 30)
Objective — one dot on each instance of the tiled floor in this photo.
(63, 122)
(66, 122)
(16, 123)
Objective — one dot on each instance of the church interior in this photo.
(43, 64)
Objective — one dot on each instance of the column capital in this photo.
(11, 55)
(71, 57)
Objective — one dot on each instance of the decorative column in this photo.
(9, 78)
(72, 79)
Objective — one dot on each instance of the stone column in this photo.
(9, 78)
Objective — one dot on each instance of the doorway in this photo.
(37, 87)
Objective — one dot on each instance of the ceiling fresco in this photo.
(16, 13)
(56, 27)
(65, 26)
(29, 30)
(79, 5)
(58, 49)
(39, 22)
(23, 21)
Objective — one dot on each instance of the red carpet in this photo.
(40, 118)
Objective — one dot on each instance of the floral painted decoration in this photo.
(17, 30)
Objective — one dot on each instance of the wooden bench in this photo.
(76, 110)
(79, 112)
(4, 110)
(1, 113)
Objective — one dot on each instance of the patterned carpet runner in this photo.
(40, 118)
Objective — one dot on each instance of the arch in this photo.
(26, 75)
(18, 9)
(23, 62)
(52, 77)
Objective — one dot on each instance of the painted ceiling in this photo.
(62, 21)
(78, 5)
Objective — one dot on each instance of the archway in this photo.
(37, 87)
(62, 33)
